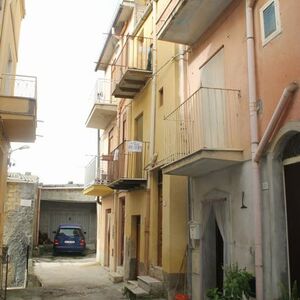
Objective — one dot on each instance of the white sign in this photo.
(135, 146)
(26, 202)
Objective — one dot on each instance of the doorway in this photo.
(136, 244)
(107, 237)
(292, 191)
(159, 219)
(121, 231)
(139, 137)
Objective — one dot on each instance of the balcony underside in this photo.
(203, 162)
(184, 22)
(128, 183)
(131, 83)
(97, 190)
(18, 117)
(101, 115)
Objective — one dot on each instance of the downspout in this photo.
(98, 161)
(154, 83)
(182, 74)
(281, 106)
(255, 172)
(2, 23)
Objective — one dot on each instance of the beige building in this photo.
(140, 230)
(17, 93)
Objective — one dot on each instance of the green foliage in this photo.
(236, 285)
(285, 294)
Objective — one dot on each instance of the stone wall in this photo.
(19, 227)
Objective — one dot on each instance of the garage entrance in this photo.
(55, 213)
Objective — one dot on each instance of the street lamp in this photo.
(10, 164)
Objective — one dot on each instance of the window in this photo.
(161, 96)
(270, 21)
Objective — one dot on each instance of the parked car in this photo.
(69, 238)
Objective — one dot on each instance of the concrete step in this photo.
(134, 288)
(115, 277)
(152, 285)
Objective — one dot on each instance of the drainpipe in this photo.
(281, 106)
(3, 17)
(256, 185)
(182, 74)
(98, 161)
(154, 82)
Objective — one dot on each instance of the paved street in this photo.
(70, 278)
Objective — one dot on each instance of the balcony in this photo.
(184, 21)
(104, 106)
(96, 178)
(132, 67)
(126, 169)
(18, 107)
(202, 134)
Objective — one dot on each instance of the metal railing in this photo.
(96, 172)
(18, 86)
(102, 91)
(128, 161)
(208, 119)
(135, 53)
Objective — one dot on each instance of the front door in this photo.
(292, 175)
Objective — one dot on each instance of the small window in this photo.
(161, 96)
(270, 21)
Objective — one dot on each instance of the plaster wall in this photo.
(278, 62)
(136, 204)
(229, 33)
(67, 194)
(107, 203)
(233, 181)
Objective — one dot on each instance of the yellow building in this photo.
(143, 214)
(17, 93)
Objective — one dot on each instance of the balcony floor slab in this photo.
(204, 161)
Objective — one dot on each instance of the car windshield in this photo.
(71, 232)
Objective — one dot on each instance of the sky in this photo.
(60, 42)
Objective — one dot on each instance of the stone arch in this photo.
(216, 213)
(275, 216)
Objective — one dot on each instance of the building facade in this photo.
(242, 95)
(17, 94)
(212, 140)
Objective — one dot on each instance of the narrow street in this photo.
(69, 277)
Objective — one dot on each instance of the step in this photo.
(115, 277)
(152, 285)
(134, 288)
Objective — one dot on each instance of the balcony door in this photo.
(212, 102)
(139, 124)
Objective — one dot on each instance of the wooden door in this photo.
(159, 220)
(139, 155)
(213, 104)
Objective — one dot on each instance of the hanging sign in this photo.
(135, 146)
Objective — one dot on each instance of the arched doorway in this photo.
(291, 163)
(214, 241)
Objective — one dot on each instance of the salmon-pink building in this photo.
(235, 135)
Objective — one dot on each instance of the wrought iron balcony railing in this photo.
(21, 86)
(207, 120)
(127, 164)
(132, 67)
(102, 92)
(96, 172)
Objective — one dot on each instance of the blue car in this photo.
(69, 238)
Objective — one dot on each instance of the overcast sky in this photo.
(60, 43)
